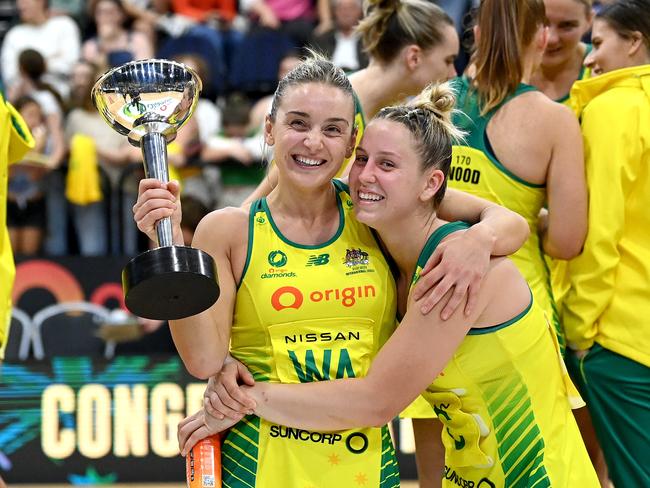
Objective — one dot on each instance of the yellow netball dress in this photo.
(310, 313)
(476, 169)
(505, 403)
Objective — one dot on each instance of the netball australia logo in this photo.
(277, 259)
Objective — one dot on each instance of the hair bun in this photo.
(437, 98)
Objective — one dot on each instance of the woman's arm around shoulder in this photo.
(411, 359)
(203, 339)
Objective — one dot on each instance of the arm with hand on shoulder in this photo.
(427, 341)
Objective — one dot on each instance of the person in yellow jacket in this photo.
(15, 142)
(606, 313)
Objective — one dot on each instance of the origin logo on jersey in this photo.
(292, 297)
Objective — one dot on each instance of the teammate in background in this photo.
(410, 43)
(606, 313)
(516, 160)
(297, 264)
(511, 158)
(563, 61)
(15, 142)
(505, 424)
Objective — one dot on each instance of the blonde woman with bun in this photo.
(505, 424)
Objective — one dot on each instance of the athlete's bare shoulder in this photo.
(225, 228)
(535, 118)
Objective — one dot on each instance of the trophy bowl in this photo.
(148, 101)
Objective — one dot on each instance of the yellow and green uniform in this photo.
(477, 170)
(310, 313)
(505, 403)
(15, 141)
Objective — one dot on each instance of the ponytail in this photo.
(507, 28)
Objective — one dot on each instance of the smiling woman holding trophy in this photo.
(148, 101)
(298, 264)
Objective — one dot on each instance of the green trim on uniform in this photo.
(432, 242)
(555, 318)
(503, 325)
(340, 186)
(470, 114)
(284, 239)
(519, 440)
(358, 108)
(389, 473)
(256, 206)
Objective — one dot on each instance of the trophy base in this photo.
(170, 283)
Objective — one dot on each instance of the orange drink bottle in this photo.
(203, 464)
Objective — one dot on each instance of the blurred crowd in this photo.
(74, 192)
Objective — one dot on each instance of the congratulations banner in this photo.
(86, 417)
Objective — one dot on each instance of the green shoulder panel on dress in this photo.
(358, 109)
(469, 119)
(432, 242)
(256, 207)
(340, 186)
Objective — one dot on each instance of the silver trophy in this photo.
(148, 101)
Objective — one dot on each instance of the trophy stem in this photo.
(154, 154)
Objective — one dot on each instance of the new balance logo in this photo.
(318, 259)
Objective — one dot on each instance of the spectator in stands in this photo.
(114, 43)
(32, 69)
(296, 18)
(263, 106)
(206, 11)
(25, 195)
(56, 38)
(90, 138)
(206, 112)
(237, 150)
(341, 43)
